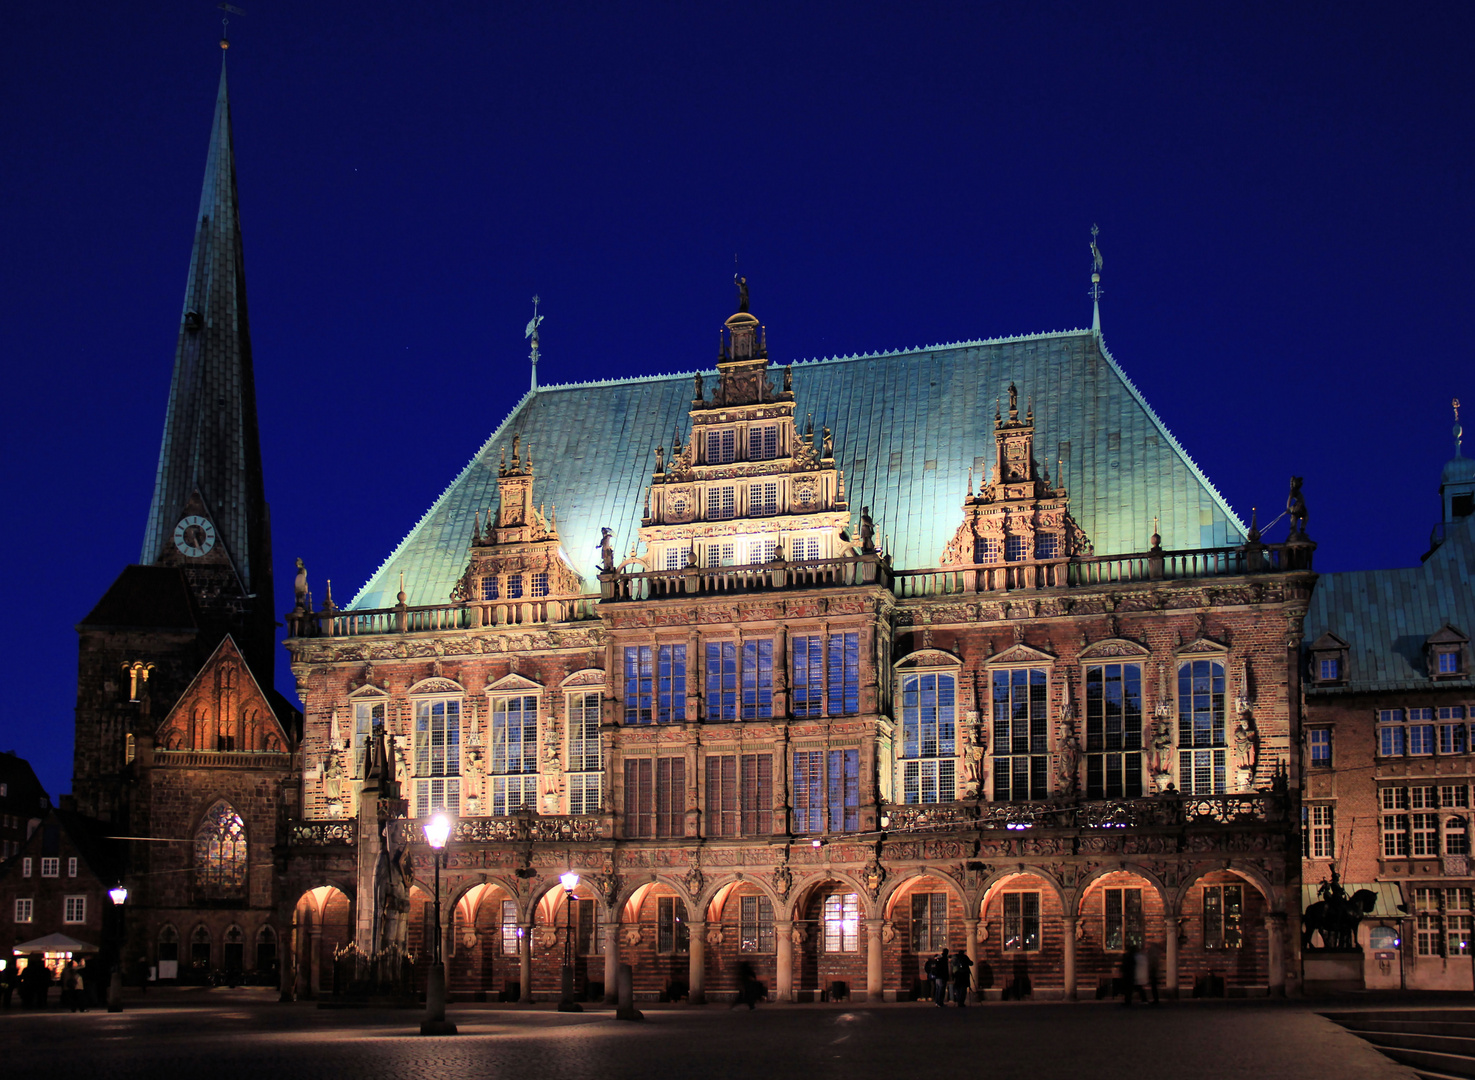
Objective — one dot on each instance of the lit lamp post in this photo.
(118, 894)
(437, 832)
(566, 1002)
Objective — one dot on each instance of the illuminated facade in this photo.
(932, 666)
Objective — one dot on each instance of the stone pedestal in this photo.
(1327, 971)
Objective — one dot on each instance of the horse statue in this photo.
(1337, 917)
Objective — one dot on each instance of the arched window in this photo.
(220, 853)
(199, 948)
(928, 739)
(1201, 746)
(266, 949)
(233, 958)
(168, 944)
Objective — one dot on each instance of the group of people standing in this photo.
(951, 975)
(34, 983)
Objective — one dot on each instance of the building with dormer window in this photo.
(819, 666)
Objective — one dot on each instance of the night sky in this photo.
(1283, 193)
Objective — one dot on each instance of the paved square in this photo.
(222, 1035)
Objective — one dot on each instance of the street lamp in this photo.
(566, 1003)
(118, 894)
(437, 832)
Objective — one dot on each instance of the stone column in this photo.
(783, 960)
(1275, 952)
(611, 959)
(1069, 924)
(874, 989)
(1170, 955)
(696, 970)
(525, 960)
(315, 957)
(970, 926)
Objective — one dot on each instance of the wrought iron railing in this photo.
(436, 618)
(552, 828)
(714, 580)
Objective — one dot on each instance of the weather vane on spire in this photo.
(1459, 431)
(1095, 280)
(229, 9)
(532, 332)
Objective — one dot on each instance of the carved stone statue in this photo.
(1160, 763)
(1070, 764)
(973, 771)
(742, 289)
(828, 443)
(660, 459)
(696, 386)
(393, 875)
(299, 586)
(788, 380)
(867, 529)
(1296, 507)
(333, 774)
(1246, 744)
(607, 549)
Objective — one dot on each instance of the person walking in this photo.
(1129, 974)
(962, 977)
(940, 974)
(69, 986)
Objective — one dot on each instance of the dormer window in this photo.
(763, 443)
(1328, 665)
(1444, 652)
(489, 590)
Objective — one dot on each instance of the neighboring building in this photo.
(57, 889)
(23, 803)
(180, 738)
(957, 670)
(1390, 700)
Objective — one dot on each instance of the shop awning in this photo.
(1389, 897)
(54, 943)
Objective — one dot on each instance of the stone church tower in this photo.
(180, 737)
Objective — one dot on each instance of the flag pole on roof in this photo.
(1095, 282)
(532, 332)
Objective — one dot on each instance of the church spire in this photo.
(1095, 282)
(208, 488)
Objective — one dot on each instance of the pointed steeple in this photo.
(210, 457)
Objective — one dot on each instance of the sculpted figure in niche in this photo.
(867, 530)
(1161, 759)
(1070, 764)
(607, 549)
(1246, 744)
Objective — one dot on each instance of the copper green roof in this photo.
(1385, 616)
(211, 443)
(907, 427)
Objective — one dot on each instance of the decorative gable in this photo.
(587, 677)
(1114, 647)
(928, 658)
(223, 709)
(1202, 645)
(1328, 660)
(436, 686)
(513, 681)
(1021, 654)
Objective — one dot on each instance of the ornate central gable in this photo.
(1017, 517)
(223, 709)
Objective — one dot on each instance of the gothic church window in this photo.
(928, 738)
(513, 767)
(1113, 731)
(585, 765)
(1201, 747)
(1021, 734)
(199, 949)
(220, 853)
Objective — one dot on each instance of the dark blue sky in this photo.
(1284, 194)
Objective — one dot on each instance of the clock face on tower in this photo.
(194, 535)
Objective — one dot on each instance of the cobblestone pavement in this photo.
(222, 1035)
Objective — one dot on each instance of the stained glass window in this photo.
(220, 852)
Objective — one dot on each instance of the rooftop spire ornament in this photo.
(1095, 292)
(532, 332)
(229, 10)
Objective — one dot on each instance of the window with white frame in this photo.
(721, 446)
(721, 553)
(50, 867)
(1456, 836)
(1317, 836)
(540, 584)
(1021, 922)
(841, 923)
(675, 559)
(585, 763)
(72, 866)
(762, 551)
(1319, 740)
(721, 503)
(1453, 732)
(511, 932)
(513, 766)
(805, 547)
(1420, 732)
(1021, 734)
(928, 763)
(1201, 746)
(25, 910)
(1443, 921)
(1393, 801)
(763, 442)
(1113, 731)
(1410, 821)
(437, 756)
(1390, 733)
(514, 586)
(368, 718)
(74, 909)
(763, 499)
(987, 549)
(25, 867)
(1047, 546)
